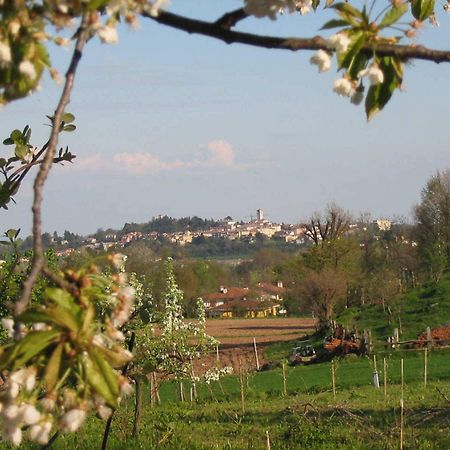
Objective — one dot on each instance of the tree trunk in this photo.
(137, 407)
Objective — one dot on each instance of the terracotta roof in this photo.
(271, 288)
(230, 294)
(248, 305)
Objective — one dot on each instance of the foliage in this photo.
(25, 156)
(171, 344)
(433, 224)
(64, 355)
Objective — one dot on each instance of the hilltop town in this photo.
(189, 230)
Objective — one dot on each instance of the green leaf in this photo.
(53, 368)
(378, 95)
(11, 234)
(68, 118)
(347, 9)
(63, 299)
(421, 9)
(31, 345)
(97, 4)
(102, 377)
(393, 15)
(21, 151)
(112, 357)
(335, 23)
(357, 41)
(8, 141)
(16, 135)
(63, 317)
(69, 128)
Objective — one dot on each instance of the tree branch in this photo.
(229, 20)
(38, 256)
(221, 30)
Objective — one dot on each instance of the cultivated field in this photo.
(236, 336)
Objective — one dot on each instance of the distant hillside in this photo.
(417, 309)
(166, 224)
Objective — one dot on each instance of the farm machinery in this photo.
(303, 355)
(342, 342)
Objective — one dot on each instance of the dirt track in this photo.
(236, 337)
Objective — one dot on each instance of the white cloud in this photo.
(222, 153)
(218, 153)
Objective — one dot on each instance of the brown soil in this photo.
(236, 338)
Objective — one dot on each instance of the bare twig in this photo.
(44, 168)
(443, 395)
(221, 30)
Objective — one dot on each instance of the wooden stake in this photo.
(385, 378)
(181, 391)
(429, 338)
(425, 367)
(217, 354)
(256, 354)
(284, 380)
(267, 441)
(401, 423)
(158, 398)
(333, 379)
(241, 382)
(194, 385)
(375, 377)
(137, 407)
(152, 390)
(401, 376)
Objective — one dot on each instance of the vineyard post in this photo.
(385, 378)
(333, 379)
(256, 354)
(284, 379)
(425, 367)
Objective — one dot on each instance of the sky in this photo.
(178, 124)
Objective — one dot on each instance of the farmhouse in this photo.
(264, 301)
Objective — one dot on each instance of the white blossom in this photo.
(125, 387)
(40, 433)
(339, 42)
(304, 6)
(72, 420)
(13, 434)
(104, 412)
(373, 73)
(156, 6)
(39, 326)
(8, 324)
(13, 389)
(5, 57)
(108, 35)
(322, 60)
(11, 412)
(118, 260)
(343, 87)
(27, 68)
(30, 415)
(14, 27)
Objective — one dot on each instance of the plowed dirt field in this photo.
(236, 337)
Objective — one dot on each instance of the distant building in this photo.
(230, 302)
(384, 224)
(259, 215)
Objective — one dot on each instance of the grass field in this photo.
(308, 417)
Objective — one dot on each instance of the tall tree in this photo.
(433, 223)
(332, 224)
